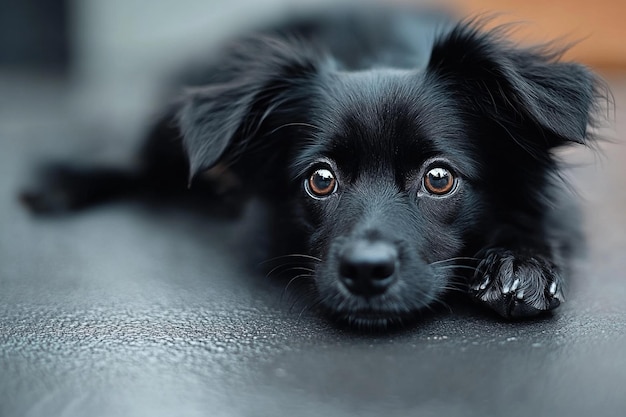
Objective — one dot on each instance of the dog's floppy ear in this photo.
(515, 86)
(259, 82)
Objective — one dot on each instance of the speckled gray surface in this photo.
(126, 311)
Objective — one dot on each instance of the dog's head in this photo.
(391, 176)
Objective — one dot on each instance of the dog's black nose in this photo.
(367, 268)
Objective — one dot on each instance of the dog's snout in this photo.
(367, 268)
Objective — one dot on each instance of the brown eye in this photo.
(438, 181)
(321, 183)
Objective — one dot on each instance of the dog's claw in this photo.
(553, 288)
(482, 285)
(522, 286)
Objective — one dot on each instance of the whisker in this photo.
(290, 268)
(298, 299)
(459, 258)
(294, 124)
(454, 288)
(292, 255)
(308, 307)
(292, 280)
(471, 268)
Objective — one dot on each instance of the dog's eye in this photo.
(321, 183)
(438, 181)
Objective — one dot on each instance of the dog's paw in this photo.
(517, 285)
(56, 189)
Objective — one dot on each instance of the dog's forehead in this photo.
(392, 119)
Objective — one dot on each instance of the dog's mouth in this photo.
(373, 319)
(379, 312)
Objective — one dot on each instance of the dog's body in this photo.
(399, 154)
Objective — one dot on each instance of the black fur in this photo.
(378, 99)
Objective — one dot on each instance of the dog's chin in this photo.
(378, 313)
(399, 305)
(373, 320)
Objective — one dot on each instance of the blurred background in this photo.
(103, 48)
(113, 39)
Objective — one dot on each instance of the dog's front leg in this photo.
(517, 283)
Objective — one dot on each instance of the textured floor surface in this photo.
(125, 311)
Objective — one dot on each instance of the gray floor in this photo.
(125, 311)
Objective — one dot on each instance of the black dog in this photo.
(398, 154)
